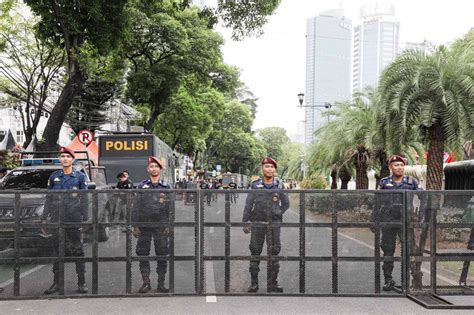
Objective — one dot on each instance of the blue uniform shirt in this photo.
(259, 203)
(407, 183)
(152, 206)
(75, 204)
(388, 205)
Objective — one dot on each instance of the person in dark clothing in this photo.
(3, 172)
(152, 207)
(262, 206)
(233, 196)
(388, 210)
(75, 209)
(122, 202)
(204, 185)
(123, 181)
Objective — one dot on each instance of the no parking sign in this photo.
(85, 136)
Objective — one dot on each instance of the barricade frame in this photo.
(199, 224)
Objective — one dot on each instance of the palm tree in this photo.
(434, 94)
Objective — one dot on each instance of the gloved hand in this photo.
(136, 232)
(247, 228)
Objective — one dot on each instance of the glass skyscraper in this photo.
(328, 66)
(375, 44)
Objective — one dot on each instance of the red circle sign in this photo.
(85, 136)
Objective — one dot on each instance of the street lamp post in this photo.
(317, 105)
(326, 105)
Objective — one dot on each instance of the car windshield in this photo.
(27, 179)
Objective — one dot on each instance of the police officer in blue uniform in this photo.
(75, 211)
(260, 206)
(152, 207)
(388, 210)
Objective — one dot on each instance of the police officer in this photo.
(260, 206)
(388, 210)
(205, 185)
(233, 196)
(152, 207)
(124, 182)
(75, 210)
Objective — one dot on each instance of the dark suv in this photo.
(33, 175)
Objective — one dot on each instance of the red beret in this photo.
(397, 158)
(66, 150)
(154, 159)
(269, 160)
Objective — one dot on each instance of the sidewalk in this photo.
(222, 305)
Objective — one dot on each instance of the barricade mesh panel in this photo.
(325, 243)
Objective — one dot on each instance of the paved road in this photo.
(223, 305)
(353, 277)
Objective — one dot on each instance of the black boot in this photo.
(389, 284)
(81, 284)
(52, 289)
(146, 287)
(161, 284)
(273, 287)
(254, 283)
(273, 283)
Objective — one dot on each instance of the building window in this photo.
(20, 136)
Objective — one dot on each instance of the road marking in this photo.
(211, 299)
(23, 274)
(210, 282)
(454, 283)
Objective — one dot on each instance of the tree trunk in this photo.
(334, 177)
(434, 169)
(58, 114)
(153, 116)
(362, 180)
(345, 177)
(384, 169)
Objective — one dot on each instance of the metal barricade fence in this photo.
(328, 243)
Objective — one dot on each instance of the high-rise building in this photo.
(425, 46)
(328, 66)
(375, 44)
(199, 3)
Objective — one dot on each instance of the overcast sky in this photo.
(273, 65)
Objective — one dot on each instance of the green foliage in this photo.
(72, 23)
(187, 120)
(246, 18)
(89, 110)
(168, 48)
(230, 142)
(274, 138)
(9, 160)
(30, 68)
(314, 182)
(432, 94)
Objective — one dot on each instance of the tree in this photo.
(104, 84)
(30, 69)
(342, 143)
(231, 144)
(187, 121)
(166, 47)
(245, 18)
(90, 106)
(274, 139)
(73, 25)
(433, 93)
